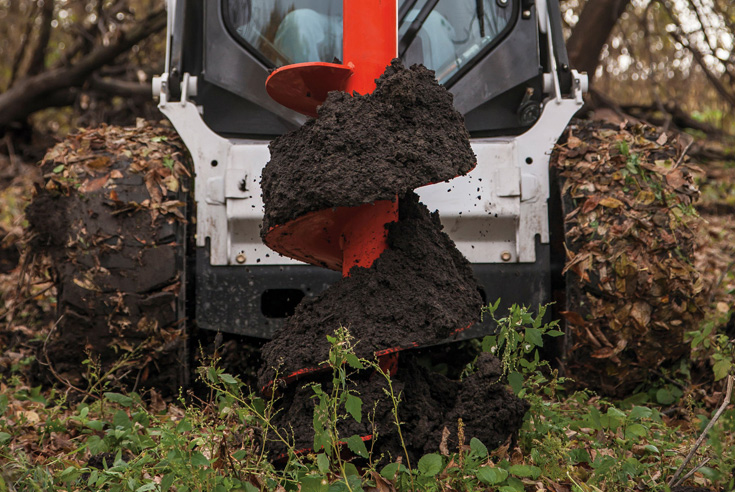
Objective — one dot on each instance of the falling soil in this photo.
(419, 291)
(430, 402)
(365, 148)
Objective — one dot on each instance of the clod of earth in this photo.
(362, 149)
(630, 236)
(365, 148)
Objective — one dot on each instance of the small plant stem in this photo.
(728, 393)
(691, 472)
(396, 420)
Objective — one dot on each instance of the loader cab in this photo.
(491, 54)
(505, 63)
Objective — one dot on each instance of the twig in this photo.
(683, 153)
(691, 472)
(51, 366)
(702, 436)
(721, 278)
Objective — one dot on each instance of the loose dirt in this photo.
(418, 291)
(430, 402)
(365, 148)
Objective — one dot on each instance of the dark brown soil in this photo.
(429, 403)
(420, 290)
(404, 135)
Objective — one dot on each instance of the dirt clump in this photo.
(430, 402)
(419, 291)
(365, 148)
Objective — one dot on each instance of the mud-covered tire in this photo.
(112, 219)
(631, 289)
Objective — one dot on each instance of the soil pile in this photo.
(360, 150)
(419, 291)
(365, 148)
(630, 236)
(430, 403)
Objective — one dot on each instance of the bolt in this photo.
(526, 14)
(240, 258)
(506, 256)
(502, 3)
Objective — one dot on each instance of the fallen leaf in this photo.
(94, 184)
(676, 179)
(611, 202)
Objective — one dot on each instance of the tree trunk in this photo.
(588, 37)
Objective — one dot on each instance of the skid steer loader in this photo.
(506, 65)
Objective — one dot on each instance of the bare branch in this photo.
(680, 36)
(24, 43)
(17, 101)
(120, 87)
(38, 58)
(700, 440)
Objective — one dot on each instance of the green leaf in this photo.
(95, 425)
(353, 405)
(554, 333)
(313, 483)
(58, 169)
(250, 487)
(651, 448)
(491, 475)
(4, 437)
(353, 361)
(322, 461)
(123, 400)
(227, 378)
(721, 368)
(665, 397)
(525, 471)
(430, 464)
(121, 420)
(357, 446)
(638, 413)
(183, 426)
(389, 471)
(616, 413)
(489, 342)
(96, 445)
(146, 487)
(198, 459)
(159, 139)
(595, 421)
(533, 335)
(478, 447)
(167, 481)
(515, 380)
(635, 430)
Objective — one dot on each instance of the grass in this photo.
(577, 442)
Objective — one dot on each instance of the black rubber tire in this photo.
(118, 263)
